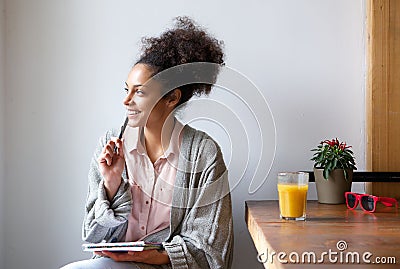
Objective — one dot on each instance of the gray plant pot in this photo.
(331, 191)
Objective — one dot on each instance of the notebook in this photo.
(121, 246)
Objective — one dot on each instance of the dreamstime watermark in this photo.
(331, 256)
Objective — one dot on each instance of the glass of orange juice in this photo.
(292, 190)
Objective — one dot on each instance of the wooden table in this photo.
(360, 233)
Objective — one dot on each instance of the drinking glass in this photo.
(292, 190)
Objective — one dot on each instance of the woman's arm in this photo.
(206, 238)
(147, 256)
(201, 217)
(105, 219)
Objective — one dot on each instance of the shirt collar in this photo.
(176, 138)
(134, 139)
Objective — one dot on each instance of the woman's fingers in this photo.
(118, 257)
(120, 147)
(108, 157)
(112, 148)
(107, 153)
(99, 253)
(109, 148)
(116, 145)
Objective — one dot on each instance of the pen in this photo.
(123, 127)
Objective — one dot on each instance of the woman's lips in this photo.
(133, 112)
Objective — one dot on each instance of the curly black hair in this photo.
(185, 43)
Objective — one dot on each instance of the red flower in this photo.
(335, 142)
(331, 143)
(343, 146)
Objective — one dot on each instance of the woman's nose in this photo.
(128, 98)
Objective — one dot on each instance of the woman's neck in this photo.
(157, 138)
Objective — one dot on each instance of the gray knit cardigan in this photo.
(201, 230)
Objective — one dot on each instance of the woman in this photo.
(162, 182)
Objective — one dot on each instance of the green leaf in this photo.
(326, 173)
(334, 163)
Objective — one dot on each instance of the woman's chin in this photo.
(135, 123)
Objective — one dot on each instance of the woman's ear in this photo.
(174, 97)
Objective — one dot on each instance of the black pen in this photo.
(123, 127)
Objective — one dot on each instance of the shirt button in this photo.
(142, 227)
(147, 202)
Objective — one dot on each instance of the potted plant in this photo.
(334, 163)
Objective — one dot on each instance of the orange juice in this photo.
(292, 200)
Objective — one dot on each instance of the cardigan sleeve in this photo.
(104, 219)
(204, 238)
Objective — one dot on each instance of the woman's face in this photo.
(143, 102)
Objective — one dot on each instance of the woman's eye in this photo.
(137, 91)
(140, 92)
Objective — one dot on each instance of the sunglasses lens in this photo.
(367, 203)
(351, 200)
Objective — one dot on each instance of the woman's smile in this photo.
(132, 113)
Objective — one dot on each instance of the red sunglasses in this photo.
(367, 201)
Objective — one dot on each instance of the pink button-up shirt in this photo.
(151, 184)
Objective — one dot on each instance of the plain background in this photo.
(63, 64)
(2, 126)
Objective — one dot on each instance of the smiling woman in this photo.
(166, 182)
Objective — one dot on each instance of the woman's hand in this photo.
(146, 256)
(111, 166)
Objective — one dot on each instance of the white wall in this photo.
(67, 61)
(2, 125)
